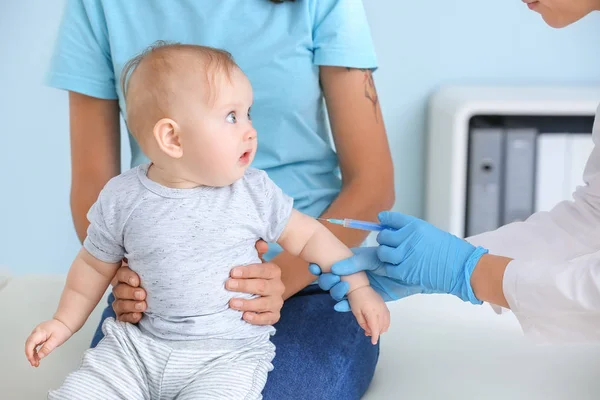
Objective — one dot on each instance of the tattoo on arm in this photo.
(370, 91)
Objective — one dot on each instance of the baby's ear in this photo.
(166, 133)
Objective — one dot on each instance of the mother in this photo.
(296, 54)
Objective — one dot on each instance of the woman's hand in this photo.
(130, 299)
(260, 279)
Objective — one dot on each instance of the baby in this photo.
(183, 221)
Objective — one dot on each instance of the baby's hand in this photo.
(370, 311)
(49, 335)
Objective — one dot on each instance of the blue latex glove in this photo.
(417, 253)
(364, 259)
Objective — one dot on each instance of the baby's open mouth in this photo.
(245, 157)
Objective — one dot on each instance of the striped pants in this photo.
(128, 364)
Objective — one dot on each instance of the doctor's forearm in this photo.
(487, 279)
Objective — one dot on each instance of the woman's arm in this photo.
(95, 152)
(95, 159)
(365, 162)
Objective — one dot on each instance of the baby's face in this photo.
(218, 139)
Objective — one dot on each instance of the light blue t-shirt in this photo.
(279, 46)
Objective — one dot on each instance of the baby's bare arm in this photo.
(87, 281)
(307, 238)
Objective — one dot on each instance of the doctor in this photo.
(546, 269)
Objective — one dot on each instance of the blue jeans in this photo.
(320, 353)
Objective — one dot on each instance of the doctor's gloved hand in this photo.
(418, 253)
(364, 259)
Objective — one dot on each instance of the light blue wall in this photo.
(420, 45)
(36, 230)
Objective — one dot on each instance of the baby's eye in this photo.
(249, 115)
(231, 118)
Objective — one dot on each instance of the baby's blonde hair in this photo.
(163, 66)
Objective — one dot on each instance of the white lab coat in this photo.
(553, 284)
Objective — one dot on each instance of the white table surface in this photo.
(437, 348)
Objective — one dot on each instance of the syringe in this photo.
(356, 224)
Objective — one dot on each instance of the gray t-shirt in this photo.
(183, 244)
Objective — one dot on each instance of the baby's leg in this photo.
(238, 376)
(109, 371)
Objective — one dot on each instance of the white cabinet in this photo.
(544, 132)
